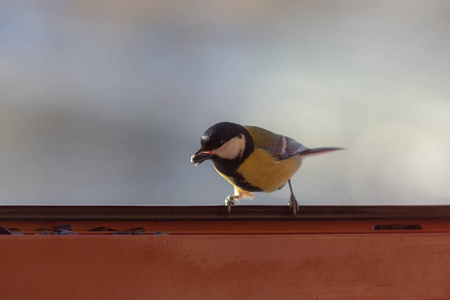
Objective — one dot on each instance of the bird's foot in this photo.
(294, 205)
(229, 202)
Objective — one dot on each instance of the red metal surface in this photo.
(301, 266)
(323, 254)
(193, 227)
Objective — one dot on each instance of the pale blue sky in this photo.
(104, 102)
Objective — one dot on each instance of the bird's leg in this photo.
(293, 204)
(229, 202)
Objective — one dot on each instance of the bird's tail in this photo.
(317, 151)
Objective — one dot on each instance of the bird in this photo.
(253, 159)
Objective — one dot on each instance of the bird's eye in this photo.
(221, 141)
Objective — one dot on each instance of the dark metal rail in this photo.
(240, 212)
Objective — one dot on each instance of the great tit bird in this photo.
(253, 159)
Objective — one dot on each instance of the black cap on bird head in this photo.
(224, 140)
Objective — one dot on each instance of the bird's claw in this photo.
(294, 206)
(229, 202)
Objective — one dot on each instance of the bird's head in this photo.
(225, 140)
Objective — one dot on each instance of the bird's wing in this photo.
(279, 146)
(290, 147)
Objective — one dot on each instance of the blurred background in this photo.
(104, 102)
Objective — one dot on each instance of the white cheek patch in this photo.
(231, 149)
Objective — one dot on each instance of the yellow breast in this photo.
(262, 170)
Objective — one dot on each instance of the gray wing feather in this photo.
(285, 148)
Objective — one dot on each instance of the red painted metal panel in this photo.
(294, 266)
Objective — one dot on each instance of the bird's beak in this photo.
(200, 156)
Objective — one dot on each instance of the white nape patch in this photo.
(232, 148)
